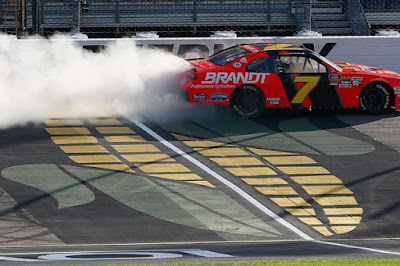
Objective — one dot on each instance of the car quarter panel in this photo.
(216, 84)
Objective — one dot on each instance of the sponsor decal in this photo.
(390, 72)
(296, 53)
(396, 90)
(357, 78)
(235, 78)
(324, 51)
(219, 97)
(251, 48)
(332, 70)
(345, 84)
(284, 53)
(355, 68)
(346, 78)
(274, 100)
(212, 86)
(379, 79)
(356, 83)
(335, 77)
(237, 64)
(199, 97)
(243, 60)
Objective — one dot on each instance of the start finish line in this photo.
(113, 255)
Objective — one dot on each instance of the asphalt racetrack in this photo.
(282, 186)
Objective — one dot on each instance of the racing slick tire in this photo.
(248, 101)
(375, 99)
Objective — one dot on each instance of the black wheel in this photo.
(375, 99)
(248, 101)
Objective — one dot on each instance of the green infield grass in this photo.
(327, 262)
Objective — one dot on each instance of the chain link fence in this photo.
(185, 18)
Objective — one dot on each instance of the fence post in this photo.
(35, 17)
(41, 17)
(5, 21)
(19, 18)
(22, 18)
(117, 17)
(306, 18)
(76, 16)
(194, 16)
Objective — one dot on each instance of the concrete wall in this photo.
(379, 51)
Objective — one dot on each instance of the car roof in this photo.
(261, 47)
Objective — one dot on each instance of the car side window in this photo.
(263, 64)
(301, 64)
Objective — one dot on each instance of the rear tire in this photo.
(248, 101)
(375, 99)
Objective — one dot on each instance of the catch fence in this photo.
(117, 18)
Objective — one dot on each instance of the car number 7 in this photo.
(310, 84)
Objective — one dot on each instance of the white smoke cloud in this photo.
(40, 79)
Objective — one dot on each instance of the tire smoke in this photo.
(47, 78)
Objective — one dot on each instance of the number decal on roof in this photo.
(309, 84)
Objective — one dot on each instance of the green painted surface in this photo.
(189, 129)
(305, 137)
(190, 205)
(322, 140)
(217, 211)
(134, 191)
(242, 131)
(53, 181)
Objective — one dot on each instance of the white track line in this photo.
(357, 247)
(249, 198)
(226, 182)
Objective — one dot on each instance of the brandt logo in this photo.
(235, 78)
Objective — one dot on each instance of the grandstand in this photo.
(117, 18)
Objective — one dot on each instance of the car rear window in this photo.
(263, 64)
(225, 56)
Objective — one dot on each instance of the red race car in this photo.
(254, 77)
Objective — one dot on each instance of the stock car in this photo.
(253, 78)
